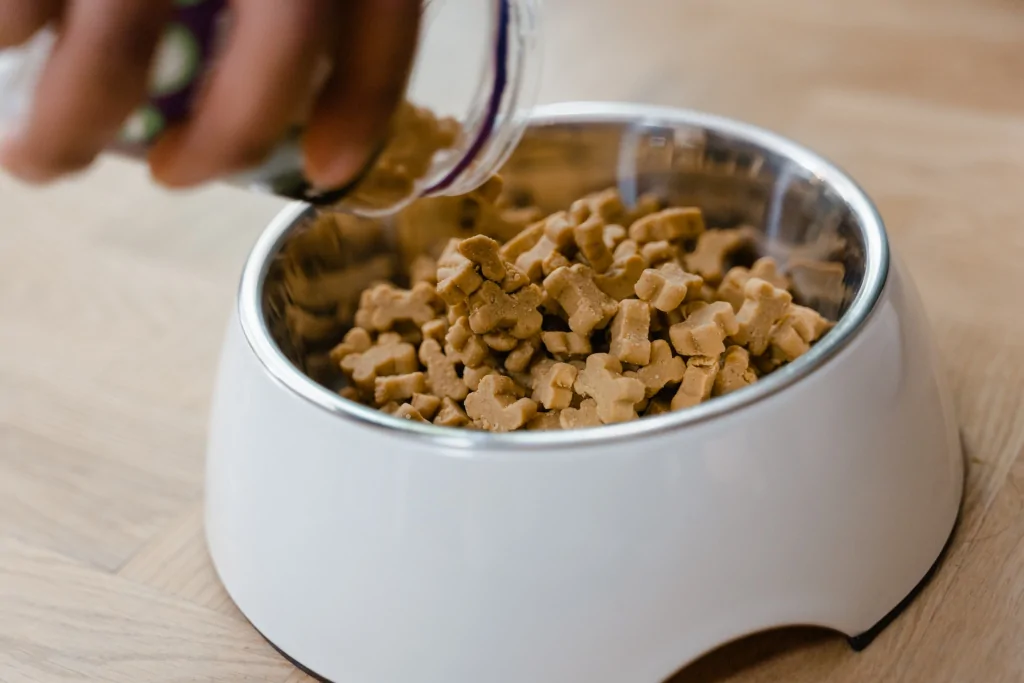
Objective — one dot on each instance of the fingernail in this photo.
(14, 161)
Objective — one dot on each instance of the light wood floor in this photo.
(114, 295)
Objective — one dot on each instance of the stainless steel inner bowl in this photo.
(808, 213)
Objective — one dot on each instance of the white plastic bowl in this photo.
(376, 550)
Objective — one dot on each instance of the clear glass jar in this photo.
(467, 102)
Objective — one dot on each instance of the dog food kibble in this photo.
(497, 317)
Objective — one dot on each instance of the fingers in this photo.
(254, 92)
(96, 75)
(21, 19)
(372, 63)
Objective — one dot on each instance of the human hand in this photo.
(99, 71)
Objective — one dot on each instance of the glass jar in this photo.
(473, 83)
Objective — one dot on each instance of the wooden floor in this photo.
(114, 295)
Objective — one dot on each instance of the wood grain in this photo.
(114, 295)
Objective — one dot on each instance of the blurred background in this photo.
(114, 295)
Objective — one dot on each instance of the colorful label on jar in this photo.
(179, 67)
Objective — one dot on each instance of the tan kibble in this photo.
(589, 237)
(500, 341)
(613, 235)
(499, 406)
(356, 340)
(736, 371)
(763, 307)
(398, 387)
(616, 395)
(427, 405)
(482, 251)
(587, 306)
(456, 311)
(553, 262)
(522, 243)
(630, 332)
(451, 414)
(704, 330)
(383, 306)
(543, 422)
(619, 283)
(515, 313)
(606, 205)
(514, 279)
(407, 411)
(391, 356)
(698, 382)
(665, 368)
(818, 282)
(351, 393)
(465, 347)
(435, 329)
(557, 235)
(472, 376)
(669, 225)
(457, 276)
(423, 269)
(666, 287)
(519, 358)
(736, 279)
(646, 204)
(626, 249)
(310, 328)
(442, 377)
(659, 252)
(795, 333)
(657, 406)
(566, 344)
(713, 250)
(552, 386)
(584, 416)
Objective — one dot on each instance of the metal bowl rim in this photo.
(460, 442)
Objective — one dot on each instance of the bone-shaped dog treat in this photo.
(666, 287)
(451, 414)
(575, 290)
(606, 205)
(698, 382)
(483, 252)
(390, 356)
(457, 276)
(589, 237)
(552, 386)
(522, 243)
(553, 262)
(519, 358)
(384, 305)
(619, 282)
(704, 330)
(669, 225)
(398, 387)
(407, 411)
(558, 235)
(660, 252)
(795, 333)
(736, 371)
(427, 405)
(456, 311)
(714, 247)
(584, 416)
(351, 393)
(465, 347)
(442, 376)
(423, 269)
(498, 405)
(500, 341)
(310, 328)
(435, 329)
(763, 307)
(517, 313)
(566, 344)
(627, 249)
(472, 376)
(630, 332)
(646, 204)
(613, 235)
(657, 406)
(543, 422)
(616, 395)
(736, 279)
(665, 368)
(356, 340)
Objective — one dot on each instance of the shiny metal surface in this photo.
(738, 174)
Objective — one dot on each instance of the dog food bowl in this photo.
(370, 549)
